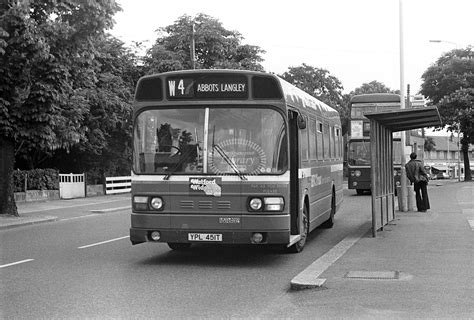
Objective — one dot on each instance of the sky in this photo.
(357, 41)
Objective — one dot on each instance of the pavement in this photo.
(431, 252)
(35, 212)
(420, 266)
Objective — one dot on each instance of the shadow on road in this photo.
(221, 255)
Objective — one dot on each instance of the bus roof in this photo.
(375, 97)
(154, 88)
(299, 98)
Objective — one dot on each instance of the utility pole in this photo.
(192, 48)
(403, 178)
(408, 133)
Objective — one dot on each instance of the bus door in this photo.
(294, 166)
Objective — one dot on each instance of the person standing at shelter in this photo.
(417, 175)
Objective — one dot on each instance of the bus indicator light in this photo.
(274, 204)
(139, 199)
(140, 203)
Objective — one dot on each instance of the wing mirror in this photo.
(301, 122)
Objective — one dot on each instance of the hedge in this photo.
(37, 179)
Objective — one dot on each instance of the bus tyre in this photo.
(298, 247)
(329, 223)
(179, 246)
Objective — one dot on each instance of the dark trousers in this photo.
(421, 194)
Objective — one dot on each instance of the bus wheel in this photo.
(360, 191)
(179, 246)
(329, 223)
(298, 247)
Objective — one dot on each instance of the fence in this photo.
(72, 186)
(118, 184)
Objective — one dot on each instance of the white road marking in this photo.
(15, 263)
(73, 205)
(103, 242)
(309, 277)
(80, 217)
(469, 214)
(111, 209)
(471, 223)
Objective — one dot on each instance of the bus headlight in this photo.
(355, 173)
(255, 204)
(156, 203)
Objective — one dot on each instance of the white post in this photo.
(459, 159)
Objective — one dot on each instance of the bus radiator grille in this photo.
(204, 204)
(223, 204)
(186, 204)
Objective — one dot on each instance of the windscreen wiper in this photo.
(229, 161)
(178, 164)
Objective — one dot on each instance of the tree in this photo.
(372, 87)
(106, 147)
(47, 63)
(449, 84)
(322, 85)
(215, 47)
(429, 144)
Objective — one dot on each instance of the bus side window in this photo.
(304, 142)
(326, 141)
(338, 143)
(334, 144)
(312, 140)
(319, 136)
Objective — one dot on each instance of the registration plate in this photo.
(205, 237)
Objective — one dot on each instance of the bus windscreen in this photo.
(246, 141)
(359, 152)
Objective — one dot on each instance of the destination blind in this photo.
(206, 87)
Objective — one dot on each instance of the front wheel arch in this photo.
(329, 223)
(299, 246)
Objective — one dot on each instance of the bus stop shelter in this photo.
(382, 125)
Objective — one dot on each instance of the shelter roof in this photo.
(407, 119)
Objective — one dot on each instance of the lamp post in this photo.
(445, 41)
(403, 177)
(192, 47)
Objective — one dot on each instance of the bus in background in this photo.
(232, 157)
(358, 149)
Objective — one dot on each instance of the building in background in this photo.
(446, 161)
